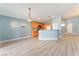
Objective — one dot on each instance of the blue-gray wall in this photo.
(7, 32)
(75, 22)
(58, 20)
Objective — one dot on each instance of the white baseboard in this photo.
(48, 38)
(75, 33)
(15, 39)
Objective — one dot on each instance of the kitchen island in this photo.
(48, 34)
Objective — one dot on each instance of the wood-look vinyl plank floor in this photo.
(68, 45)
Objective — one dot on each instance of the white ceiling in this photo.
(38, 10)
(72, 12)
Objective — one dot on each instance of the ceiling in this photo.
(38, 10)
(72, 12)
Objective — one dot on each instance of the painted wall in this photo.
(11, 28)
(75, 24)
(56, 25)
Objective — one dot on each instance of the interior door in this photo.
(69, 28)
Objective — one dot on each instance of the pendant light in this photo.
(29, 15)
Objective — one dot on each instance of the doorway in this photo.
(69, 28)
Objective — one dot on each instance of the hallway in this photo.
(68, 45)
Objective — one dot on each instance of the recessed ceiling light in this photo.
(38, 18)
(53, 16)
(29, 20)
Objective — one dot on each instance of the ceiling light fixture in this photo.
(29, 15)
(38, 18)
